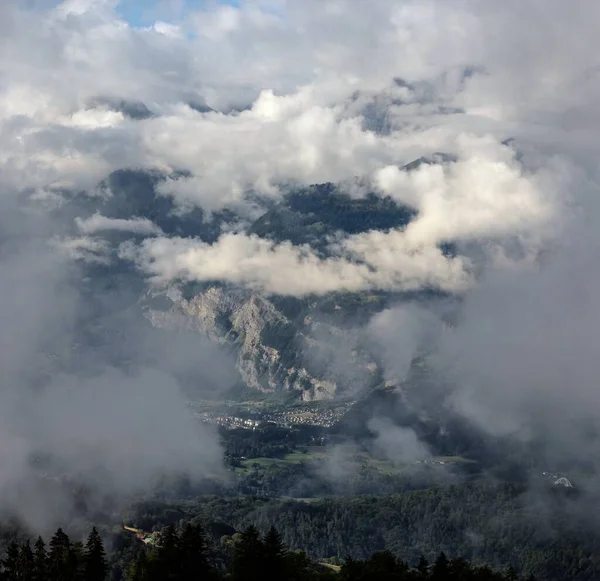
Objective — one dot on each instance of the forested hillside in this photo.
(546, 534)
(186, 552)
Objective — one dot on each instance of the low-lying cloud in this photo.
(367, 261)
(235, 104)
(485, 198)
(99, 223)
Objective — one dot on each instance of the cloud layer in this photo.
(235, 104)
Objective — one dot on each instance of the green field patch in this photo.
(384, 466)
(292, 458)
(360, 459)
(452, 460)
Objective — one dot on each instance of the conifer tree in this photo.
(167, 556)
(423, 567)
(298, 566)
(26, 562)
(274, 556)
(384, 566)
(193, 553)
(75, 562)
(350, 569)
(440, 568)
(40, 561)
(96, 567)
(61, 558)
(458, 568)
(248, 557)
(10, 563)
(138, 570)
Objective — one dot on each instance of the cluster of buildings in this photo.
(312, 417)
(308, 416)
(227, 421)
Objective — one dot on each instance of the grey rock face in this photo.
(271, 350)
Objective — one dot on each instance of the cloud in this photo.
(523, 352)
(99, 223)
(305, 131)
(281, 139)
(399, 335)
(308, 92)
(84, 248)
(518, 359)
(397, 443)
(375, 261)
(485, 197)
(300, 125)
(148, 430)
(89, 389)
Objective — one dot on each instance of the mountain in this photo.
(313, 347)
(274, 351)
(309, 215)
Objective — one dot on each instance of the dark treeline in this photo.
(546, 534)
(365, 535)
(184, 554)
(61, 560)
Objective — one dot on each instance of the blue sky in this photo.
(144, 12)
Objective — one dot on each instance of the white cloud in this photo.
(281, 139)
(99, 223)
(84, 248)
(468, 76)
(369, 261)
(482, 195)
(399, 335)
(301, 62)
(308, 69)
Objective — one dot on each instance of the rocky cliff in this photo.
(273, 352)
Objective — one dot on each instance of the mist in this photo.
(93, 397)
(505, 220)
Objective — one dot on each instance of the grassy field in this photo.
(293, 458)
(452, 460)
(319, 453)
(384, 466)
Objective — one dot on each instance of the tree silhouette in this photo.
(96, 567)
(423, 568)
(193, 553)
(183, 555)
(274, 556)
(10, 563)
(248, 557)
(139, 570)
(40, 561)
(26, 562)
(167, 556)
(440, 568)
(63, 562)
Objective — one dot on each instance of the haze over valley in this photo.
(263, 262)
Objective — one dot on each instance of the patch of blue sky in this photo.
(145, 12)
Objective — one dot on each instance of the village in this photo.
(310, 415)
